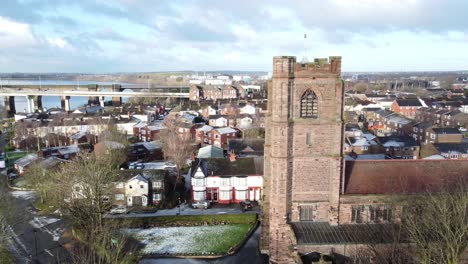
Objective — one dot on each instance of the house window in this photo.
(119, 197)
(364, 147)
(356, 214)
(199, 196)
(198, 182)
(309, 105)
(119, 185)
(306, 213)
(156, 197)
(387, 215)
(157, 184)
(454, 156)
(225, 195)
(130, 187)
(216, 136)
(225, 181)
(241, 195)
(242, 181)
(141, 187)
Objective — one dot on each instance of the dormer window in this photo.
(309, 105)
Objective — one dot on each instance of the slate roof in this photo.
(210, 152)
(226, 167)
(403, 176)
(26, 160)
(240, 146)
(316, 233)
(225, 130)
(397, 141)
(452, 147)
(446, 130)
(408, 102)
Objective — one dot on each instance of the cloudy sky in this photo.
(156, 35)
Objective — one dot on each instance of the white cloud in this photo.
(58, 42)
(15, 35)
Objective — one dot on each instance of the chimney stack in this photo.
(232, 156)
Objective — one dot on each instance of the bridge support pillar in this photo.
(38, 102)
(116, 101)
(65, 101)
(30, 100)
(93, 100)
(10, 108)
(101, 101)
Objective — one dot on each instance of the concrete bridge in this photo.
(95, 93)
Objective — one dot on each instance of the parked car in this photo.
(119, 210)
(201, 204)
(246, 205)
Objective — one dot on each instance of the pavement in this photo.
(185, 210)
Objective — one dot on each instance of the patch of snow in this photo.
(41, 221)
(180, 240)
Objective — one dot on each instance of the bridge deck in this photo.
(4, 92)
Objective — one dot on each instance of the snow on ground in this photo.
(25, 195)
(180, 240)
(42, 222)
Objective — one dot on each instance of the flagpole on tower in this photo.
(304, 59)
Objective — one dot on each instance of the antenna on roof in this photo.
(304, 59)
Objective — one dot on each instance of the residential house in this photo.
(399, 147)
(209, 110)
(145, 151)
(248, 109)
(443, 135)
(63, 152)
(220, 136)
(364, 144)
(218, 121)
(201, 134)
(446, 150)
(227, 181)
(406, 107)
(419, 131)
(243, 147)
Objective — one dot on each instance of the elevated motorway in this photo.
(10, 92)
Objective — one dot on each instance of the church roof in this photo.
(314, 233)
(403, 176)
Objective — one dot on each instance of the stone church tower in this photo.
(303, 150)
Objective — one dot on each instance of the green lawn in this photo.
(11, 157)
(190, 240)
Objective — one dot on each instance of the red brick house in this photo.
(406, 107)
(220, 136)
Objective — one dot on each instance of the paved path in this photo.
(248, 254)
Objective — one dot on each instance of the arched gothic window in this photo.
(309, 105)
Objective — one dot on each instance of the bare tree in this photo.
(436, 224)
(177, 146)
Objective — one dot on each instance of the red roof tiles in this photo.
(403, 176)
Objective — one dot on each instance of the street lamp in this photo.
(35, 242)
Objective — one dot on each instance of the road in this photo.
(248, 254)
(185, 210)
(35, 238)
